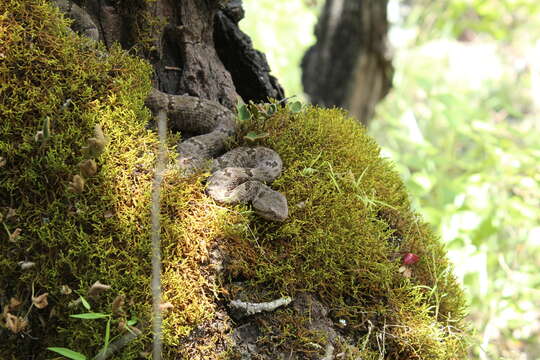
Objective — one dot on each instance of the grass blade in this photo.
(90, 316)
(70, 354)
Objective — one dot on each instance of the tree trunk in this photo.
(195, 47)
(348, 67)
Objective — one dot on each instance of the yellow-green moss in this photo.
(350, 222)
(350, 218)
(103, 233)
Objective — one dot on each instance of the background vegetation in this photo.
(462, 126)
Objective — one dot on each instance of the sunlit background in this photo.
(462, 125)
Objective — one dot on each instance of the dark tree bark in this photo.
(195, 46)
(236, 51)
(348, 67)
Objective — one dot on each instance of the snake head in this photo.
(271, 205)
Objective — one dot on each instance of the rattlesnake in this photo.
(238, 176)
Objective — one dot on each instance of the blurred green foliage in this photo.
(471, 159)
(275, 32)
(498, 18)
(462, 126)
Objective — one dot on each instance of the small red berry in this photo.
(410, 258)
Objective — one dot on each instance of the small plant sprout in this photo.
(77, 184)
(243, 112)
(295, 106)
(44, 134)
(271, 109)
(95, 145)
(310, 170)
(333, 176)
(264, 111)
(84, 303)
(107, 340)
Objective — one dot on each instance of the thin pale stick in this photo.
(156, 240)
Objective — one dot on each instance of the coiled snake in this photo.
(238, 176)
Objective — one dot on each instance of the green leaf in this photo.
(85, 303)
(252, 136)
(70, 354)
(46, 128)
(107, 335)
(243, 113)
(90, 316)
(295, 106)
(132, 322)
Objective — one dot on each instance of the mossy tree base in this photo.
(338, 256)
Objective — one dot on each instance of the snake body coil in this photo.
(240, 175)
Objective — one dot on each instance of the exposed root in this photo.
(247, 308)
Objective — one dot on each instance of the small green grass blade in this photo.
(85, 303)
(252, 136)
(107, 336)
(70, 354)
(90, 316)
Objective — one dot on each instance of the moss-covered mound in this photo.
(350, 227)
(63, 228)
(50, 76)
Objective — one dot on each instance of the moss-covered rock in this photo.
(350, 221)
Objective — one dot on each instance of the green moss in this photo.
(350, 218)
(350, 222)
(102, 233)
(69, 236)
